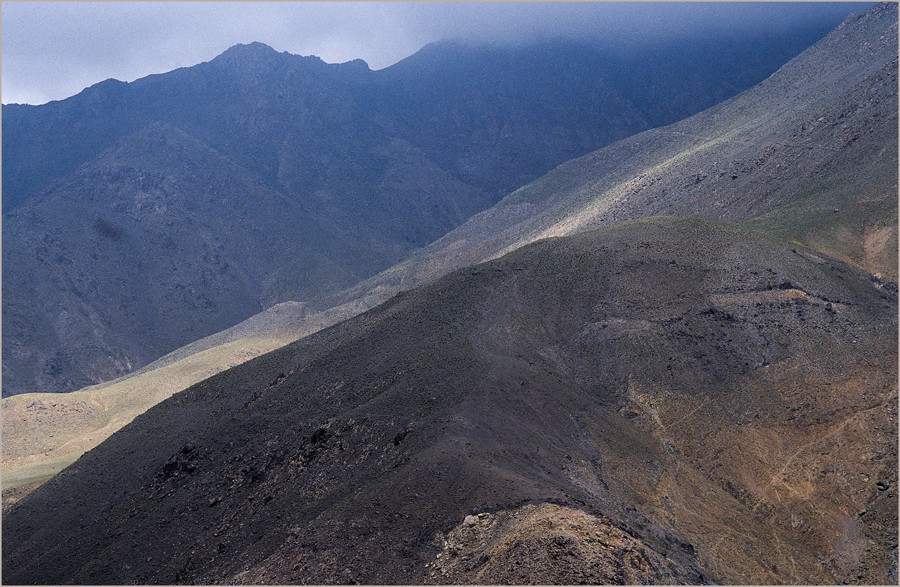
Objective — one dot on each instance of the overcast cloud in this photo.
(52, 50)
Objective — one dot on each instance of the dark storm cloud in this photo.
(53, 50)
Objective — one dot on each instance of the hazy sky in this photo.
(52, 50)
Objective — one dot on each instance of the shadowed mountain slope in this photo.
(809, 155)
(720, 402)
(129, 258)
(482, 113)
(340, 172)
(848, 161)
(45, 432)
(252, 104)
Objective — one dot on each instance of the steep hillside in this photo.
(699, 402)
(45, 432)
(486, 115)
(129, 258)
(285, 178)
(855, 176)
(808, 155)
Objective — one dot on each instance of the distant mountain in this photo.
(139, 217)
(248, 101)
(662, 401)
(161, 239)
(808, 155)
(499, 117)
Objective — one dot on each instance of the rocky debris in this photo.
(548, 544)
(184, 462)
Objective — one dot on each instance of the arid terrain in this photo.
(672, 360)
(688, 381)
(262, 177)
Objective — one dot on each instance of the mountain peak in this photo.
(249, 49)
(257, 54)
(108, 83)
(252, 53)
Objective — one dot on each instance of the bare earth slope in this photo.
(810, 156)
(721, 402)
(45, 432)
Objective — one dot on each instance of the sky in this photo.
(53, 50)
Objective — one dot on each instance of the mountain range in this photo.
(263, 177)
(808, 155)
(677, 388)
(670, 360)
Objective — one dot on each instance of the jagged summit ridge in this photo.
(261, 54)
